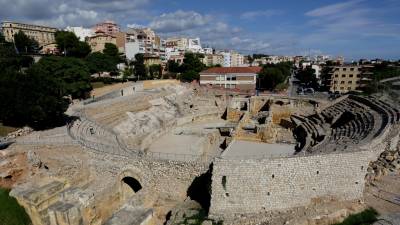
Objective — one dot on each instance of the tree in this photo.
(111, 50)
(192, 62)
(25, 44)
(139, 67)
(272, 75)
(31, 98)
(10, 60)
(191, 67)
(155, 71)
(81, 50)
(189, 76)
(69, 44)
(98, 62)
(71, 73)
(173, 66)
(307, 77)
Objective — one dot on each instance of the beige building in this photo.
(178, 43)
(346, 78)
(98, 41)
(241, 78)
(237, 59)
(151, 60)
(121, 40)
(43, 35)
(213, 59)
(109, 27)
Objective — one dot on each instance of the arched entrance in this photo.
(129, 186)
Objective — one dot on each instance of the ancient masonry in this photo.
(130, 158)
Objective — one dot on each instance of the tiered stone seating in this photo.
(57, 136)
(352, 121)
(93, 136)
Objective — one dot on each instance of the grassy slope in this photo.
(11, 213)
(4, 130)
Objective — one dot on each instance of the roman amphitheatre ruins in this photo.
(135, 155)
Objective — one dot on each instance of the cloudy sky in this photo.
(353, 28)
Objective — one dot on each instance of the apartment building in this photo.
(109, 27)
(177, 43)
(237, 60)
(241, 78)
(232, 59)
(42, 34)
(346, 78)
(213, 59)
(142, 40)
(98, 41)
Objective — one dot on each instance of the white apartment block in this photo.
(232, 59)
(81, 32)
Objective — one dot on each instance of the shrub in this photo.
(365, 217)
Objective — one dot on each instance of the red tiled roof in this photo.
(223, 70)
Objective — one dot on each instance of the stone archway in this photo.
(130, 183)
(129, 187)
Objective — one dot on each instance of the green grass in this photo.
(98, 84)
(11, 213)
(4, 130)
(365, 217)
(282, 86)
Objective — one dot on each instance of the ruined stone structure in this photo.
(132, 157)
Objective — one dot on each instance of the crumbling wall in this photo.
(252, 186)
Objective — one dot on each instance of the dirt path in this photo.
(110, 88)
(384, 194)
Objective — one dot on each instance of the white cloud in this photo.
(179, 21)
(61, 13)
(265, 13)
(333, 9)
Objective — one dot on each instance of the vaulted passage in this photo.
(132, 183)
(200, 189)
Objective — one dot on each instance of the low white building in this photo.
(317, 69)
(194, 45)
(133, 48)
(208, 51)
(81, 32)
(227, 59)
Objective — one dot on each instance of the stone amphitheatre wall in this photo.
(161, 181)
(101, 196)
(252, 186)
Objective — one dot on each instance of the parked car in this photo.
(309, 91)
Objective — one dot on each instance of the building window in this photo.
(357, 82)
(231, 77)
(342, 82)
(335, 82)
(341, 88)
(343, 75)
(336, 75)
(358, 75)
(344, 69)
(351, 75)
(351, 69)
(350, 82)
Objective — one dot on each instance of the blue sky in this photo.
(355, 28)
